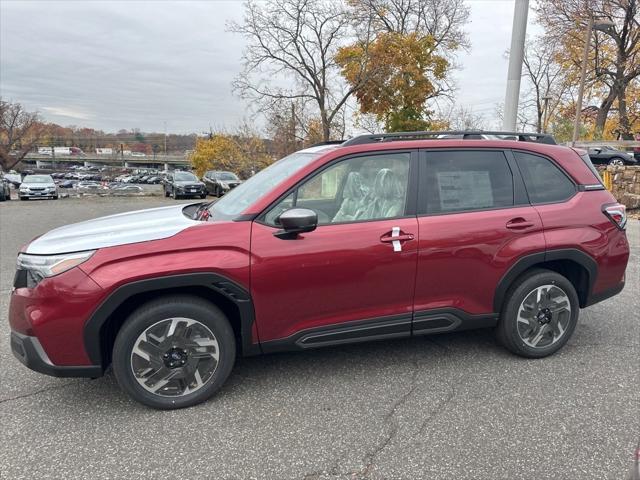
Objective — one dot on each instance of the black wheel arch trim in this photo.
(531, 260)
(220, 284)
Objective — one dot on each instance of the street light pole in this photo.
(583, 74)
(603, 26)
(516, 57)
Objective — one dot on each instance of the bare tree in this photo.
(295, 42)
(463, 118)
(547, 80)
(615, 58)
(20, 131)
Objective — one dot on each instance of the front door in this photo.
(353, 277)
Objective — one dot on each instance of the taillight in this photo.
(617, 213)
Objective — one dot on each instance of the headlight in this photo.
(224, 184)
(43, 266)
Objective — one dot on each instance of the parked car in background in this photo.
(87, 186)
(183, 184)
(5, 188)
(606, 155)
(218, 182)
(67, 183)
(13, 178)
(38, 186)
(385, 236)
(126, 189)
(636, 150)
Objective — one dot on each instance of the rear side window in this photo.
(544, 181)
(467, 180)
(587, 160)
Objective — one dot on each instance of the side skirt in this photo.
(396, 326)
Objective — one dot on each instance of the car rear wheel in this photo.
(616, 162)
(174, 352)
(539, 315)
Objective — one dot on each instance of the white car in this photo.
(38, 186)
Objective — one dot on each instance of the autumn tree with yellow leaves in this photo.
(244, 153)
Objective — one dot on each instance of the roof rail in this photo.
(328, 142)
(448, 134)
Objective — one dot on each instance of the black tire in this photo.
(166, 308)
(3, 197)
(616, 161)
(507, 330)
(166, 193)
(55, 197)
(204, 195)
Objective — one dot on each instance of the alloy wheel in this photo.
(544, 316)
(617, 162)
(175, 357)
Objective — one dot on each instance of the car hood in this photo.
(120, 229)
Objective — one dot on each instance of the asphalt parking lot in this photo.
(453, 406)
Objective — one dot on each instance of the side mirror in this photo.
(295, 221)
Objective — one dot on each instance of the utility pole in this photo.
(516, 56)
(165, 140)
(603, 26)
(583, 74)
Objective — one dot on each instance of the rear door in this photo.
(474, 221)
(353, 277)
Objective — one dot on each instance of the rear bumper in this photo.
(28, 350)
(599, 297)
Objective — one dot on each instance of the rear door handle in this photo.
(519, 224)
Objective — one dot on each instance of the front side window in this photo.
(467, 180)
(371, 187)
(545, 183)
(249, 192)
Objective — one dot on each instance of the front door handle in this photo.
(401, 238)
(396, 237)
(519, 224)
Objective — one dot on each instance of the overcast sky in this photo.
(138, 64)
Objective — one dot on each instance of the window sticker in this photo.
(464, 190)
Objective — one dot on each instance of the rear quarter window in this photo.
(544, 181)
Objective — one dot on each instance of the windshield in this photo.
(226, 176)
(185, 177)
(37, 179)
(247, 193)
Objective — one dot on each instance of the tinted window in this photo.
(364, 188)
(545, 182)
(467, 180)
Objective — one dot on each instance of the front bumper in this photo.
(29, 351)
(39, 194)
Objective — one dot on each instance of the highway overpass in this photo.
(161, 162)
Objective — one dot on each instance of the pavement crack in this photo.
(442, 404)
(37, 392)
(394, 427)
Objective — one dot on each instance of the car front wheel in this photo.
(539, 315)
(616, 162)
(174, 352)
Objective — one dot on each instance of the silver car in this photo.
(38, 186)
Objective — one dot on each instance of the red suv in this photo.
(382, 236)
